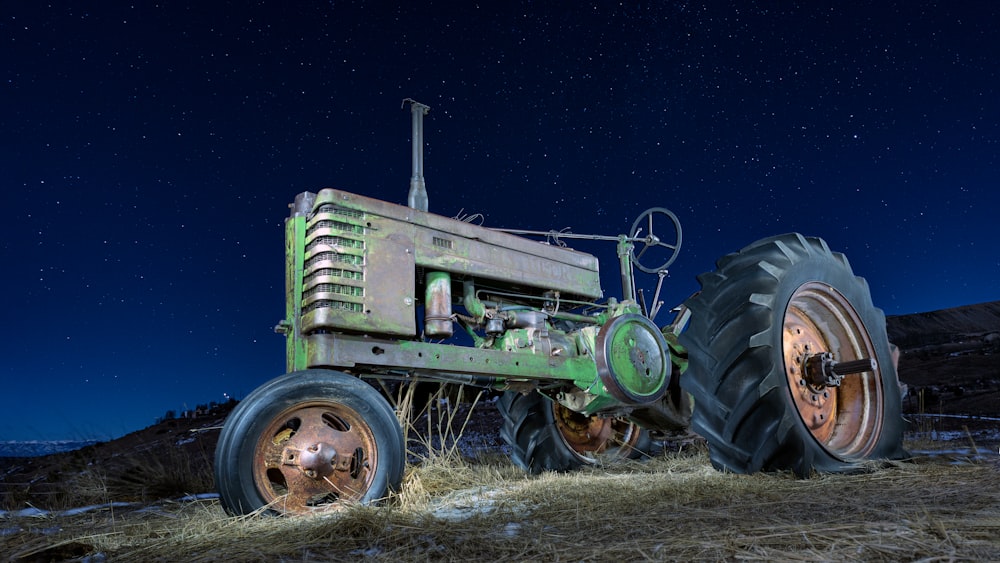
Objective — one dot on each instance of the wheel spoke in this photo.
(271, 450)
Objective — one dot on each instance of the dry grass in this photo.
(141, 476)
(674, 507)
(432, 424)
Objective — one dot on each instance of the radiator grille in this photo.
(333, 278)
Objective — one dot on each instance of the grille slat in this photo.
(333, 225)
(336, 273)
(351, 290)
(330, 240)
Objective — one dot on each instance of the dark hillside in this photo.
(950, 361)
(946, 326)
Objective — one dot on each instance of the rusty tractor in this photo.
(781, 361)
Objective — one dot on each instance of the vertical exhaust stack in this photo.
(437, 293)
(417, 198)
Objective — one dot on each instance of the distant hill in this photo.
(947, 326)
(34, 448)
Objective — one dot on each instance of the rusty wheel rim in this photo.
(846, 419)
(591, 436)
(315, 457)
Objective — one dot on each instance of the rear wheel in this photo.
(790, 366)
(546, 436)
(308, 442)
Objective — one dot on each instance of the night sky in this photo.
(150, 151)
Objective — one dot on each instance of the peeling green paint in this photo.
(355, 268)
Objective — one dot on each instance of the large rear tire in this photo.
(760, 318)
(309, 442)
(546, 436)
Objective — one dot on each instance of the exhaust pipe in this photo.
(417, 199)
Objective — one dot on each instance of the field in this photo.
(943, 504)
(148, 496)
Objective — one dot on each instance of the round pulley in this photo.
(633, 361)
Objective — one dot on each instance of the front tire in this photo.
(307, 442)
(760, 317)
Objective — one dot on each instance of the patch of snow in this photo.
(30, 512)
(199, 496)
(986, 436)
(155, 509)
(961, 456)
(93, 507)
(460, 505)
(960, 416)
(512, 529)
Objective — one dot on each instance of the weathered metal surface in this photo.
(582, 433)
(632, 359)
(589, 436)
(673, 410)
(417, 198)
(290, 326)
(437, 305)
(360, 256)
(846, 418)
(351, 267)
(350, 351)
(821, 370)
(358, 274)
(314, 455)
(449, 245)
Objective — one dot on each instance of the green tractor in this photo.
(781, 361)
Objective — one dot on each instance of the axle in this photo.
(822, 370)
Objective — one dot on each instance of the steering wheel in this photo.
(642, 231)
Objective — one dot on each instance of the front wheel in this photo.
(308, 442)
(790, 366)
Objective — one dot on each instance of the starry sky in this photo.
(149, 152)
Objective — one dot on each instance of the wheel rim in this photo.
(846, 419)
(590, 436)
(314, 457)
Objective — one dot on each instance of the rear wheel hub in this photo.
(840, 402)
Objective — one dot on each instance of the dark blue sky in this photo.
(149, 153)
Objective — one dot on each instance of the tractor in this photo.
(780, 362)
